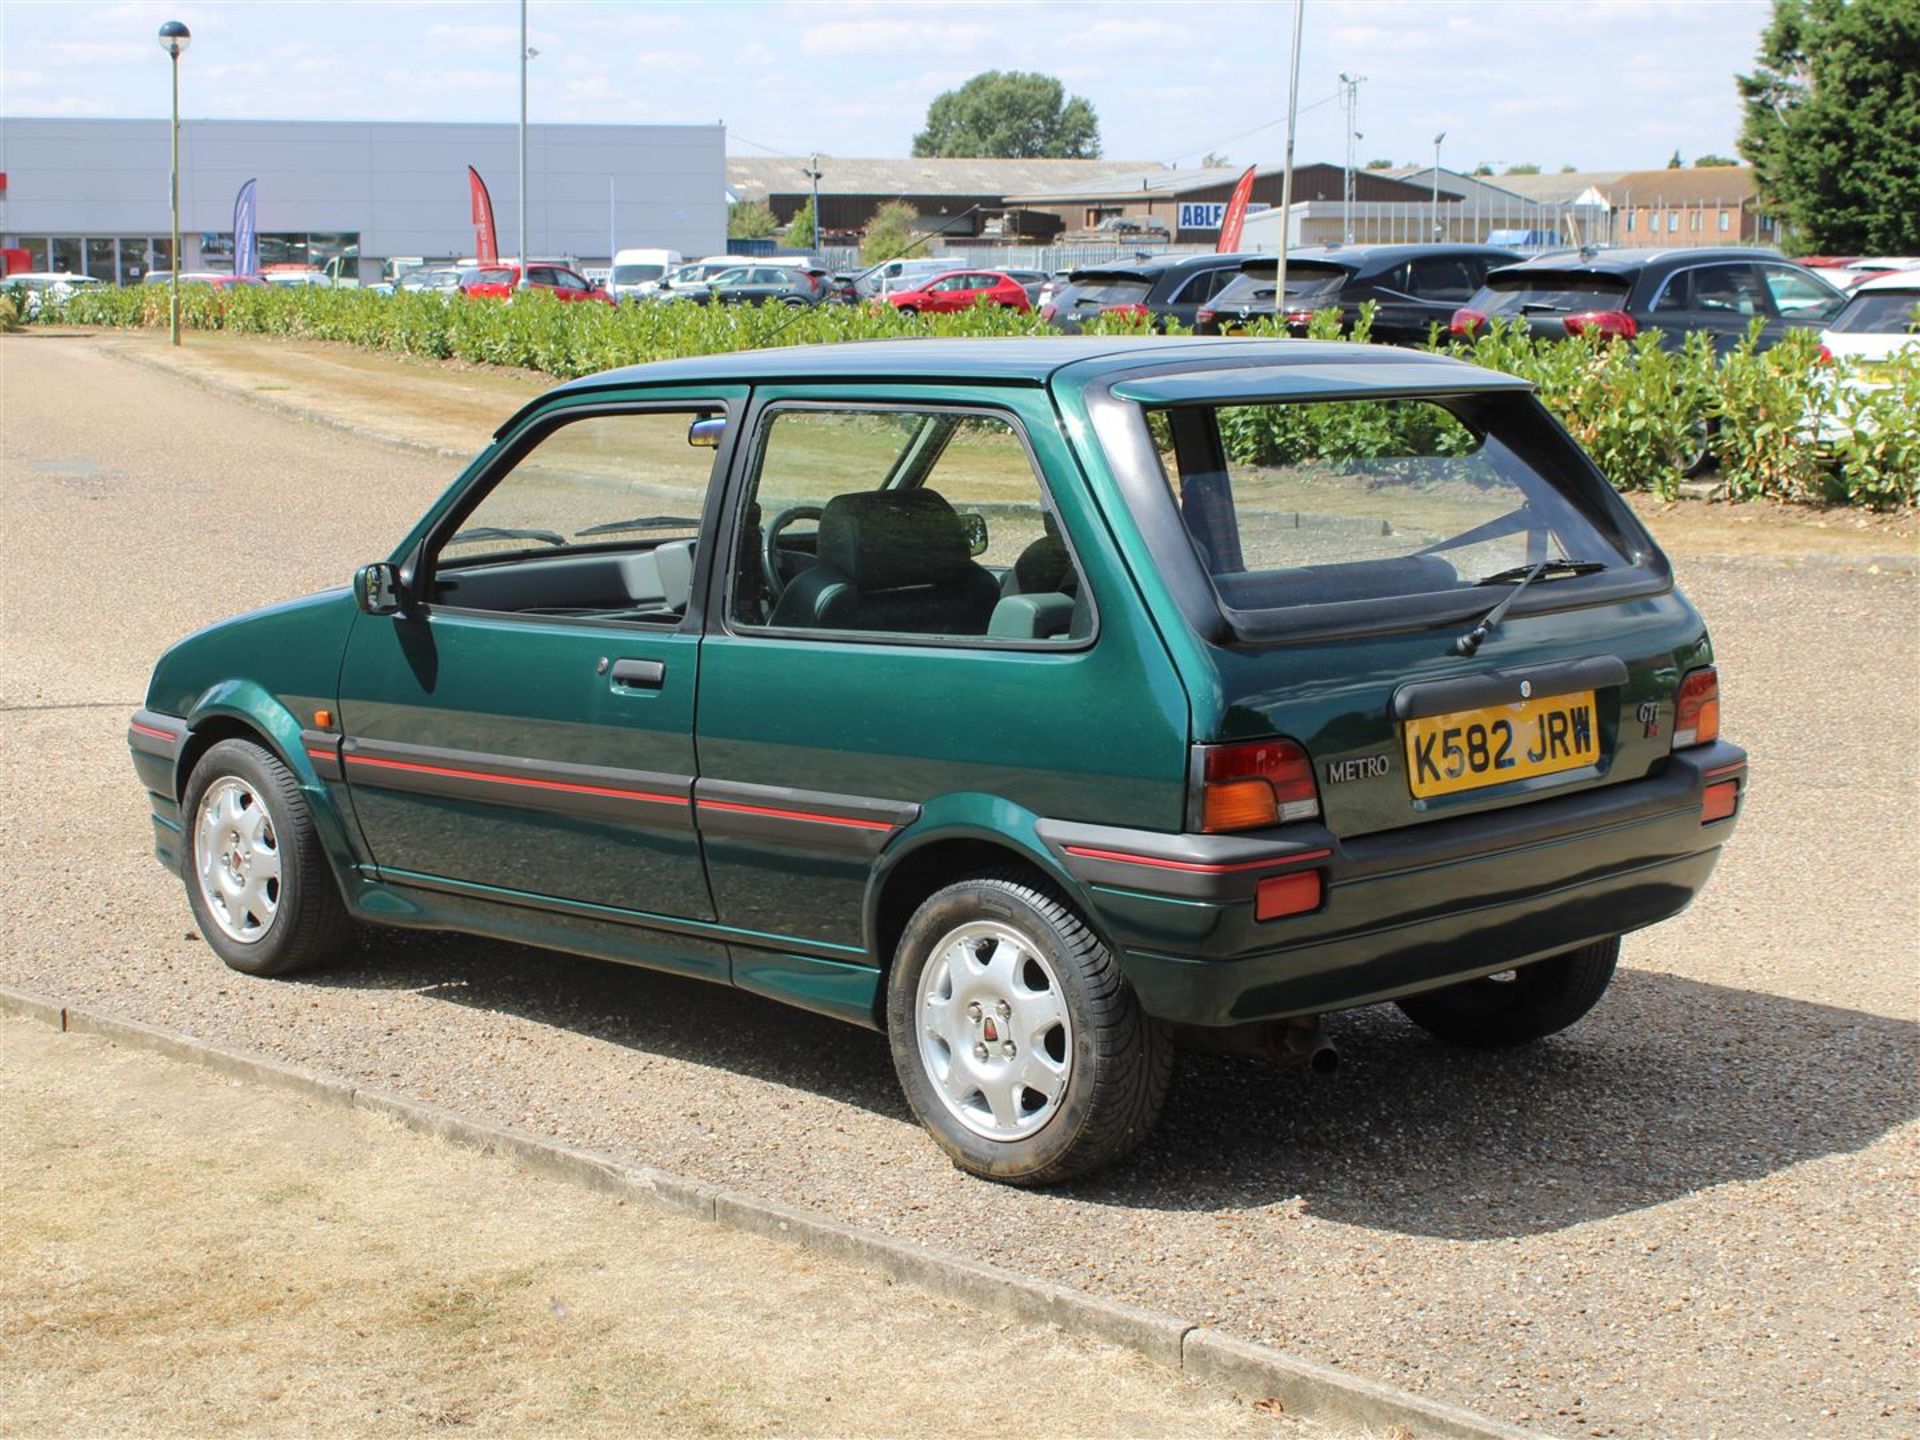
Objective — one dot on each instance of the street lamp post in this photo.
(524, 54)
(813, 175)
(174, 39)
(1437, 230)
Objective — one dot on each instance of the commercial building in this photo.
(90, 196)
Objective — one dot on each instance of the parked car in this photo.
(1166, 287)
(434, 279)
(1050, 287)
(1719, 291)
(221, 279)
(959, 290)
(1413, 288)
(763, 285)
(880, 281)
(498, 282)
(1058, 701)
(303, 278)
(695, 275)
(1127, 225)
(636, 274)
(35, 288)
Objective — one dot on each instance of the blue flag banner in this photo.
(246, 233)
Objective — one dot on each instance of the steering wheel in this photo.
(770, 546)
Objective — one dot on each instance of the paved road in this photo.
(1693, 1215)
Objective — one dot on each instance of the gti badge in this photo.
(1649, 716)
(1362, 767)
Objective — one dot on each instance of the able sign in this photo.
(1207, 214)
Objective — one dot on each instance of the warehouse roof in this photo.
(755, 177)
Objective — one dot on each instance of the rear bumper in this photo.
(1401, 911)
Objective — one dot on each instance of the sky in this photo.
(1596, 84)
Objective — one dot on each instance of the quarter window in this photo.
(923, 523)
(1795, 294)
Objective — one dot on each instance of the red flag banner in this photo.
(1236, 217)
(485, 249)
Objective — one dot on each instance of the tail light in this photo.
(1616, 324)
(1299, 317)
(1696, 709)
(1253, 784)
(1826, 355)
(1205, 316)
(1047, 312)
(1466, 320)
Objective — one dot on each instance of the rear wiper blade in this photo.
(501, 532)
(1525, 575)
(1540, 307)
(641, 522)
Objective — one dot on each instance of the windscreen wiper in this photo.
(502, 532)
(642, 522)
(1526, 575)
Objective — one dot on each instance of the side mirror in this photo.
(705, 433)
(976, 527)
(377, 589)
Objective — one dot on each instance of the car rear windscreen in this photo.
(1305, 284)
(1112, 290)
(487, 277)
(1550, 292)
(1883, 312)
(637, 274)
(1311, 502)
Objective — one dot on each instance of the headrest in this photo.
(1044, 565)
(884, 539)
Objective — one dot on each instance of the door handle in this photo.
(639, 674)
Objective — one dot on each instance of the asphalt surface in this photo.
(1692, 1215)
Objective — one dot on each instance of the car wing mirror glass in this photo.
(976, 527)
(705, 433)
(378, 590)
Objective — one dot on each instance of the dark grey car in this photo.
(1719, 291)
(1413, 288)
(1164, 287)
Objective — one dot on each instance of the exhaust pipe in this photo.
(1300, 1041)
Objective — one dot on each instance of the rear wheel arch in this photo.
(907, 879)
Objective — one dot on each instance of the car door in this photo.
(524, 729)
(957, 668)
(1721, 300)
(1434, 287)
(1194, 292)
(1800, 301)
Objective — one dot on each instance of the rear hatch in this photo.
(1311, 285)
(1436, 596)
(1546, 298)
(1094, 292)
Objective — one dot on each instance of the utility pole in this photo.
(813, 174)
(524, 52)
(174, 39)
(1352, 84)
(1438, 230)
(1286, 171)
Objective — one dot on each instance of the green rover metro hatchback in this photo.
(1048, 704)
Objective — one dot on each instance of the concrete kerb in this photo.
(1302, 1387)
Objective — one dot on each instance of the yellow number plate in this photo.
(1471, 748)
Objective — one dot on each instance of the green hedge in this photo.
(1778, 423)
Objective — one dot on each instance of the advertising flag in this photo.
(246, 232)
(485, 250)
(1236, 216)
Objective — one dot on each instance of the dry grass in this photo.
(188, 1256)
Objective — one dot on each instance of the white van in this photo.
(638, 273)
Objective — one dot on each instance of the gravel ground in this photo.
(1691, 1216)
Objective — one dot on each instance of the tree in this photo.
(1379, 164)
(1569, 169)
(1483, 169)
(889, 233)
(1712, 162)
(1675, 162)
(1214, 160)
(1832, 109)
(1010, 115)
(1528, 169)
(750, 220)
(800, 230)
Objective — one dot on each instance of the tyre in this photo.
(1019, 1043)
(1521, 1006)
(1703, 433)
(907, 310)
(256, 878)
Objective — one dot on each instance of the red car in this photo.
(498, 282)
(962, 290)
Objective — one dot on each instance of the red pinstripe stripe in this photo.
(1727, 769)
(1087, 852)
(807, 815)
(149, 730)
(521, 780)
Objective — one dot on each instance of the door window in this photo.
(1442, 277)
(1796, 294)
(1204, 286)
(1716, 290)
(598, 519)
(928, 523)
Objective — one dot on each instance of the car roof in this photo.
(1369, 256)
(1154, 265)
(1893, 280)
(1018, 360)
(1627, 262)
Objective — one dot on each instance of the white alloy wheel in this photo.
(237, 854)
(994, 1034)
